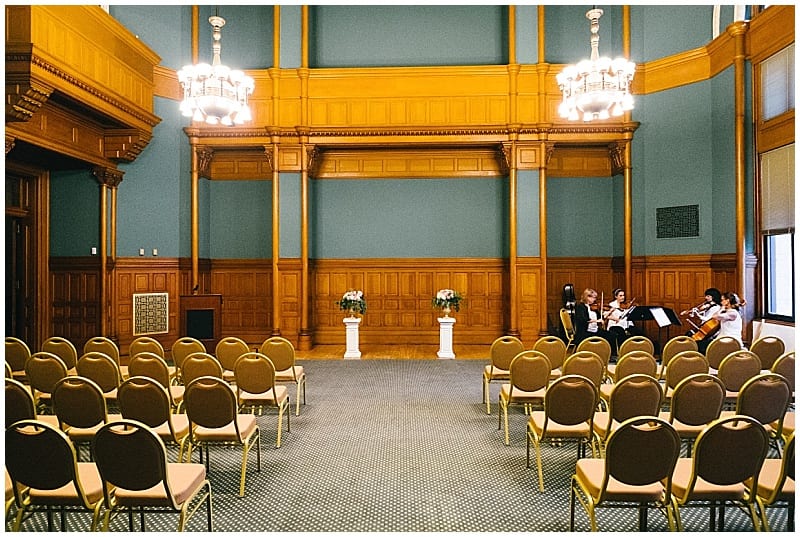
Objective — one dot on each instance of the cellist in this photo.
(705, 312)
(729, 318)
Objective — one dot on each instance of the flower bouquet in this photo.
(447, 299)
(353, 302)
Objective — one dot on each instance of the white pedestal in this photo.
(352, 352)
(446, 337)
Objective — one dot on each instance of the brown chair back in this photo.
(151, 365)
(503, 351)
(44, 370)
(200, 364)
(104, 345)
(17, 353)
(768, 349)
(730, 451)
(185, 346)
(529, 371)
(636, 343)
(554, 348)
(584, 363)
(673, 347)
(636, 362)
(79, 402)
(737, 368)
(641, 451)
(146, 344)
(101, 368)
(144, 399)
(280, 351)
(635, 395)
(570, 400)
(784, 365)
(697, 400)
(19, 402)
(228, 350)
(255, 373)
(684, 364)
(764, 397)
(719, 348)
(63, 348)
(597, 345)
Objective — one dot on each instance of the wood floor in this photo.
(394, 352)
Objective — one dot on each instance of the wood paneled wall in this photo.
(398, 293)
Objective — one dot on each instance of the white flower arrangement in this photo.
(353, 301)
(447, 298)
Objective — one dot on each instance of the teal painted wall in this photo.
(579, 217)
(291, 36)
(724, 181)
(409, 218)
(380, 36)
(669, 29)
(149, 196)
(240, 219)
(676, 160)
(290, 215)
(165, 29)
(74, 213)
(527, 34)
(567, 33)
(528, 213)
(246, 36)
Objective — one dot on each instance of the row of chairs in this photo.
(642, 468)
(228, 350)
(130, 472)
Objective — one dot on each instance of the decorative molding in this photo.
(10, 143)
(110, 177)
(616, 154)
(26, 96)
(313, 159)
(125, 144)
(204, 157)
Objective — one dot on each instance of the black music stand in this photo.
(663, 316)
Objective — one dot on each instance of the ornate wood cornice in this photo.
(125, 144)
(24, 96)
(110, 177)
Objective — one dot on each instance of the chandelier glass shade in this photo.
(215, 93)
(597, 88)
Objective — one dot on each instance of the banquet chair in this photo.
(671, 349)
(635, 395)
(9, 373)
(569, 405)
(132, 462)
(256, 388)
(528, 376)
(103, 370)
(696, 402)
(556, 351)
(280, 351)
(776, 486)
(768, 349)
(146, 400)
(43, 370)
(736, 369)
(726, 454)
(585, 363)
(214, 419)
(636, 472)
(227, 351)
(199, 364)
(599, 346)
(569, 328)
(632, 363)
(64, 349)
(42, 460)
(784, 365)
(683, 365)
(148, 364)
(148, 344)
(182, 348)
(766, 398)
(633, 343)
(718, 349)
(17, 353)
(20, 406)
(79, 404)
(106, 346)
(502, 351)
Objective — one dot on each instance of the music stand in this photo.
(663, 316)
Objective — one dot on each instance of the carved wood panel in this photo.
(75, 292)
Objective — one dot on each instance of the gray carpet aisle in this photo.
(398, 445)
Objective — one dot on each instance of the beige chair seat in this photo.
(90, 481)
(522, 396)
(558, 430)
(702, 488)
(267, 398)
(180, 424)
(247, 425)
(684, 430)
(768, 479)
(287, 375)
(495, 373)
(85, 434)
(590, 472)
(185, 479)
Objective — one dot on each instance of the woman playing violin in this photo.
(704, 313)
(589, 321)
(620, 326)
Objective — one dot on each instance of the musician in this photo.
(621, 327)
(706, 311)
(588, 320)
(730, 320)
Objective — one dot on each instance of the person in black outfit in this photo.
(589, 322)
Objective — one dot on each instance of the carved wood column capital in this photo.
(549, 148)
(204, 157)
(10, 143)
(504, 157)
(616, 153)
(268, 150)
(110, 177)
(313, 156)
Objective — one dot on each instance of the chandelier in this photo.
(597, 88)
(215, 93)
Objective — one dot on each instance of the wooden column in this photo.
(308, 155)
(195, 34)
(201, 160)
(276, 239)
(109, 178)
(738, 31)
(545, 152)
(509, 153)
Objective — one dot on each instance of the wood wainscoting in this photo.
(398, 293)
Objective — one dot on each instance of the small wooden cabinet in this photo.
(201, 318)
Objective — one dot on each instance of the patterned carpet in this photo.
(398, 445)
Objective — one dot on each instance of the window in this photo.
(777, 84)
(777, 230)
